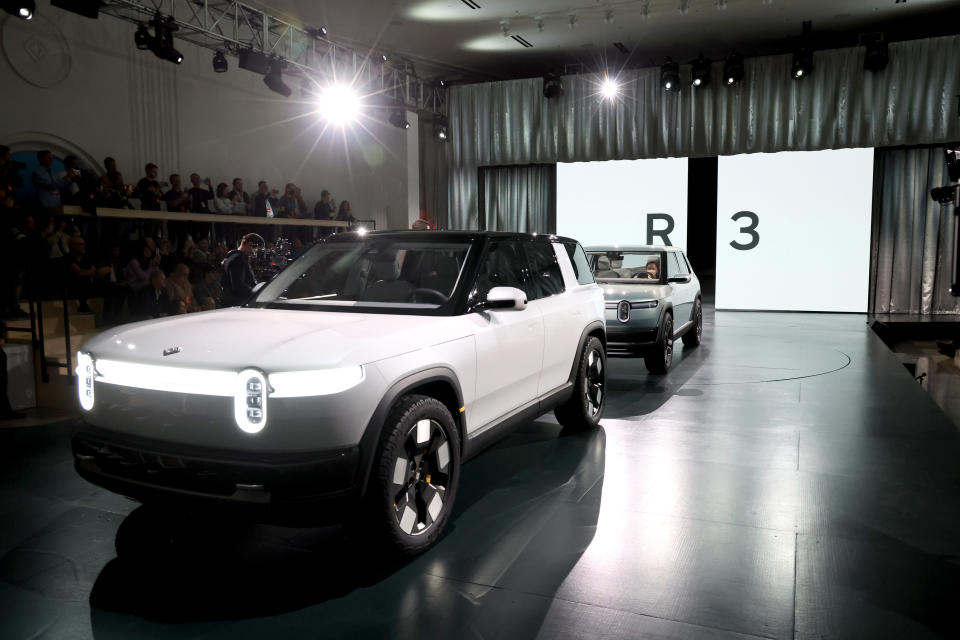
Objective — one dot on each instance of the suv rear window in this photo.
(546, 279)
(581, 266)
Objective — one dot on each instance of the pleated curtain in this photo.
(840, 105)
(518, 198)
(911, 258)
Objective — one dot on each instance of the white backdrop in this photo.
(609, 202)
(803, 230)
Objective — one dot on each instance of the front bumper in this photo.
(634, 337)
(315, 487)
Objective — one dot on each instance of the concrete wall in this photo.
(101, 96)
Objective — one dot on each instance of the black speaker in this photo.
(254, 61)
(85, 8)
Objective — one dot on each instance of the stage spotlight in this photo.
(609, 89)
(143, 38)
(23, 9)
(552, 86)
(440, 127)
(399, 119)
(877, 56)
(162, 42)
(274, 79)
(733, 69)
(339, 104)
(802, 63)
(219, 62)
(701, 72)
(670, 75)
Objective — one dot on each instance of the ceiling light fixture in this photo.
(733, 69)
(701, 68)
(220, 62)
(608, 16)
(398, 118)
(23, 9)
(142, 38)
(609, 88)
(684, 7)
(274, 79)
(440, 127)
(644, 9)
(572, 21)
(877, 57)
(538, 20)
(670, 75)
(339, 104)
(552, 86)
(803, 55)
(505, 28)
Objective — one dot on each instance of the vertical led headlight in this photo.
(250, 401)
(85, 375)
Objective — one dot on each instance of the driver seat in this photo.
(384, 285)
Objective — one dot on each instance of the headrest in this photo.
(603, 263)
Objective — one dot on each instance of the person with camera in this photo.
(238, 276)
(70, 178)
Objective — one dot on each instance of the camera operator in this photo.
(238, 276)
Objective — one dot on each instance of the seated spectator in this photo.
(84, 280)
(153, 301)
(141, 266)
(179, 288)
(167, 256)
(115, 290)
(200, 193)
(56, 237)
(241, 201)
(209, 287)
(149, 190)
(222, 203)
(201, 253)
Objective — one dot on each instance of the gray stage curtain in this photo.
(433, 175)
(912, 235)
(518, 198)
(840, 105)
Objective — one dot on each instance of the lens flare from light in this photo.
(339, 105)
(609, 89)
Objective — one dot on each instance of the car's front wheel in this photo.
(416, 474)
(660, 357)
(585, 407)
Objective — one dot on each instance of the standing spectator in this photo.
(199, 194)
(6, 411)
(47, 184)
(241, 201)
(323, 210)
(265, 203)
(344, 214)
(113, 191)
(222, 202)
(292, 204)
(238, 276)
(176, 198)
(149, 190)
(70, 179)
(179, 289)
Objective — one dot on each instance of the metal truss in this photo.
(227, 25)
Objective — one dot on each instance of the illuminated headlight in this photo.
(646, 304)
(250, 401)
(321, 382)
(85, 376)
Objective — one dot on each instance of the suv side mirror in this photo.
(683, 279)
(503, 298)
(258, 286)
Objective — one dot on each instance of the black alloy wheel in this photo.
(584, 408)
(416, 474)
(658, 361)
(693, 336)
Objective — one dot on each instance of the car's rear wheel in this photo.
(694, 335)
(585, 407)
(416, 474)
(660, 357)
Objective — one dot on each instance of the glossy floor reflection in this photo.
(786, 479)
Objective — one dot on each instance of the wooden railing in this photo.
(139, 214)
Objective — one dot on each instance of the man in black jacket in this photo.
(238, 276)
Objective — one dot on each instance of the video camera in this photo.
(948, 194)
(267, 263)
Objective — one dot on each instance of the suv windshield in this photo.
(627, 265)
(371, 273)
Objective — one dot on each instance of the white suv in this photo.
(363, 374)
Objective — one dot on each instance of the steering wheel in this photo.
(438, 295)
(643, 275)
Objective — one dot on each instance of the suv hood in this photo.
(273, 339)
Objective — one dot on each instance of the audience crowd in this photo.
(141, 268)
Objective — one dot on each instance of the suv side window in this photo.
(546, 279)
(686, 261)
(673, 265)
(581, 265)
(503, 266)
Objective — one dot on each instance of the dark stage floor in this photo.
(787, 479)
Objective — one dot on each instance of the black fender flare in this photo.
(668, 307)
(584, 335)
(370, 441)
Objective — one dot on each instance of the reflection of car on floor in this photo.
(652, 297)
(364, 373)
